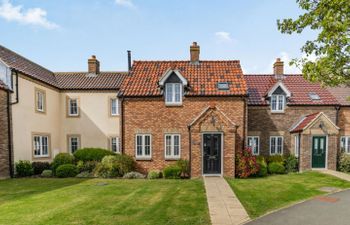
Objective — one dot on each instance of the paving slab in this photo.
(224, 206)
(338, 174)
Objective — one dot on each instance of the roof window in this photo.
(314, 96)
(223, 86)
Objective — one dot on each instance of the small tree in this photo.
(246, 164)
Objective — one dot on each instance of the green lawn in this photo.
(85, 201)
(261, 195)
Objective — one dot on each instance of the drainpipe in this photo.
(9, 132)
(190, 149)
(122, 124)
(17, 95)
(337, 108)
(299, 144)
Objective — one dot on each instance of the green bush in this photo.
(276, 168)
(172, 172)
(46, 173)
(246, 164)
(24, 168)
(274, 158)
(92, 154)
(61, 159)
(87, 166)
(39, 167)
(185, 167)
(115, 166)
(126, 163)
(344, 163)
(66, 170)
(154, 174)
(134, 175)
(262, 172)
(291, 164)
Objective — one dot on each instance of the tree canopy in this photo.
(331, 49)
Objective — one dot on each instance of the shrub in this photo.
(24, 168)
(92, 154)
(291, 164)
(115, 166)
(46, 173)
(246, 163)
(87, 166)
(84, 174)
(61, 159)
(172, 172)
(39, 167)
(154, 174)
(274, 158)
(66, 170)
(125, 163)
(262, 172)
(134, 175)
(184, 165)
(344, 163)
(276, 168)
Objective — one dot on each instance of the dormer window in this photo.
(277, 103)
(173, 93)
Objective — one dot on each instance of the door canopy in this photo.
(316, 123)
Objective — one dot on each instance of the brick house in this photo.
(5, 128)
(289, 115)
(192, 110)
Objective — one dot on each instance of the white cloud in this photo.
(125, 3)
(287, 68)
(223, 36)
(32, 16)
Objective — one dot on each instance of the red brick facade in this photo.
(152, 116)
(4, 139)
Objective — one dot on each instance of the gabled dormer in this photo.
(278, 96)
(173, 84)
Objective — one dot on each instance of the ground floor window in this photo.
(172, 146)
(345, 144)
(253, 143)
(41, 145)
(296, 145)
(73, 143)
(276, 145)
(143, 146)
(114, 144)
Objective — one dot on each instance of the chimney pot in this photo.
(278, 67)
(194, 52)
(93, 65)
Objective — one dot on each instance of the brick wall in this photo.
(4, 151)
(344, 121)
(150, 115)
(263, 123)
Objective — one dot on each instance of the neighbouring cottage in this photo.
(61, 112)
(192, 110)
(5, 128)
(289, 115)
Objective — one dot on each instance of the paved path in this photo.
(224, 207)
(340, 175)
(332, 209)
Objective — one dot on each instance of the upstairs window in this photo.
(73, 107)
(40, 103)
(345, 144)
(172, 146)
(173, 93)
(277, 103)
(253, 143)
(114, 103)
(276, 145)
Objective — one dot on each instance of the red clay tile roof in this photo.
(259, 85)
(342, 94)
(82, 80)
(202, 78)
(304, 122)
(23, 65)
(3, 85)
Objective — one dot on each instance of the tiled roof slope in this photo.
(342, 94)
(3, 85)
(82, 80)
(304, 122)
(202, 78)
(26, 66)
(259, 85)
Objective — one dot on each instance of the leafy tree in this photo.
(331, 19)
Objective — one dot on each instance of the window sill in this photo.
(41, 157)
(172, 159)
(173, 104)
(39, 111)
(277, 112)
(143, 159)
(73, 116)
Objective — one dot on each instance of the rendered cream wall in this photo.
(94, 124)
(26, 121)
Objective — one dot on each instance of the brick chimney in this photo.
(93, 65)
(278, 67)
(194, 51)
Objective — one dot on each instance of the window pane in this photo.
(279, 145)
(168, 145)
(114, 106)
(169, 92)
(44, 146)
(114, 144)
(176, 145)
(348, 145)
(147, 145)
(280, 102)
(273, 145)
(296, 145)
(139, 145)
(256, 146)
(73, 107)
(74, 144)
(274, 102)
(40, 101)
(36, 145)
(177, 92)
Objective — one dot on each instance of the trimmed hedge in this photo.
(276, 168)
(66, 170)
(24, 168)
(172, 172)
(61, 159)
(92, 154)
(39, 167)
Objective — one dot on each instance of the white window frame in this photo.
(173, 94)
(40, 146)
(116, 108)
(70, 146)
(256, 145)
(296, 145)
(276, 145)
(172, 146)
(346, 144)
(143, 156)
(115, 144)
(278, 103)
(70, 106)
(40, 97)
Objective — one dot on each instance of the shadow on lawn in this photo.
(15, 189)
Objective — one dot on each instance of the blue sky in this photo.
(62, 34)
